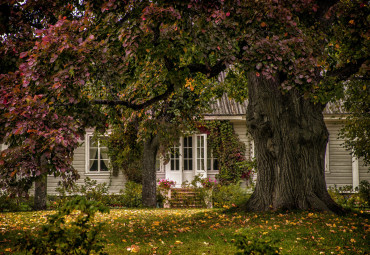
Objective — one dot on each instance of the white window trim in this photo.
(87, 158)
(327, 158)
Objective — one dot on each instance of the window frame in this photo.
(88, 136)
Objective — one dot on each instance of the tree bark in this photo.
(40, 193)
(290, 139)
(149, 182)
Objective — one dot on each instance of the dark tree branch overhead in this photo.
(324, 7)
(347, 70)
(207, 70)
(134, 106)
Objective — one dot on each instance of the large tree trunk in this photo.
(40, 193)
(290, 138)
(150, 150)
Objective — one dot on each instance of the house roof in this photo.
(228, 107)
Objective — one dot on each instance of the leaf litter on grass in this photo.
(197, 231)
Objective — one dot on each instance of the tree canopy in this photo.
(66, 61)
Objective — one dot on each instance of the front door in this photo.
(188, 159)
(201, 158)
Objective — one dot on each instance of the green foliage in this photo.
(229, 195)
(364, 191)
(229, 151)
(235, 84)
(92, 190)
(255, 245)
(131, 196)
(352, 199)
(357, 125)
(125, 151)
(14, 204)
(72, 230)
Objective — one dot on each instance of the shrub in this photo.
(364, 192)
(72, 230)
(349, 198)
(131, 196)
(92, 190)
(14, 204)
(229, 195)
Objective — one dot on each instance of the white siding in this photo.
(79, 163)
(340, 159)
(241, 130)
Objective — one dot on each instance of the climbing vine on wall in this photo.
(125, 152)
(229, 150)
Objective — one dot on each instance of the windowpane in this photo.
(172, 164)
(104, 153)
(94, 153)
(93, 165)
(104, 165)
(209, 162)
(177, 165)
(215, 164)
(92, 142)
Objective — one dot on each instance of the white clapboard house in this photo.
(193, 156)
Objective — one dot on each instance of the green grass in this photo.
(209, 231)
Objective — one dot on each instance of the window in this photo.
(188, 153)
(98, 160)
(200, 152)
(212, 162)
(175, 158)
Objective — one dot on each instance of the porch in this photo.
(191, 157)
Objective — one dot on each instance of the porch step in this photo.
(185, 198)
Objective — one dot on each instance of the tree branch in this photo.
(134, 106)
(324, 6)
(347, 70)
(207, 70)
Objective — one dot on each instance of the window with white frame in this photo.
(201, 152)
(175, 158)
(98, 161)
(188, 153)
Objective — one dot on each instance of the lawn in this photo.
(209, 231)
